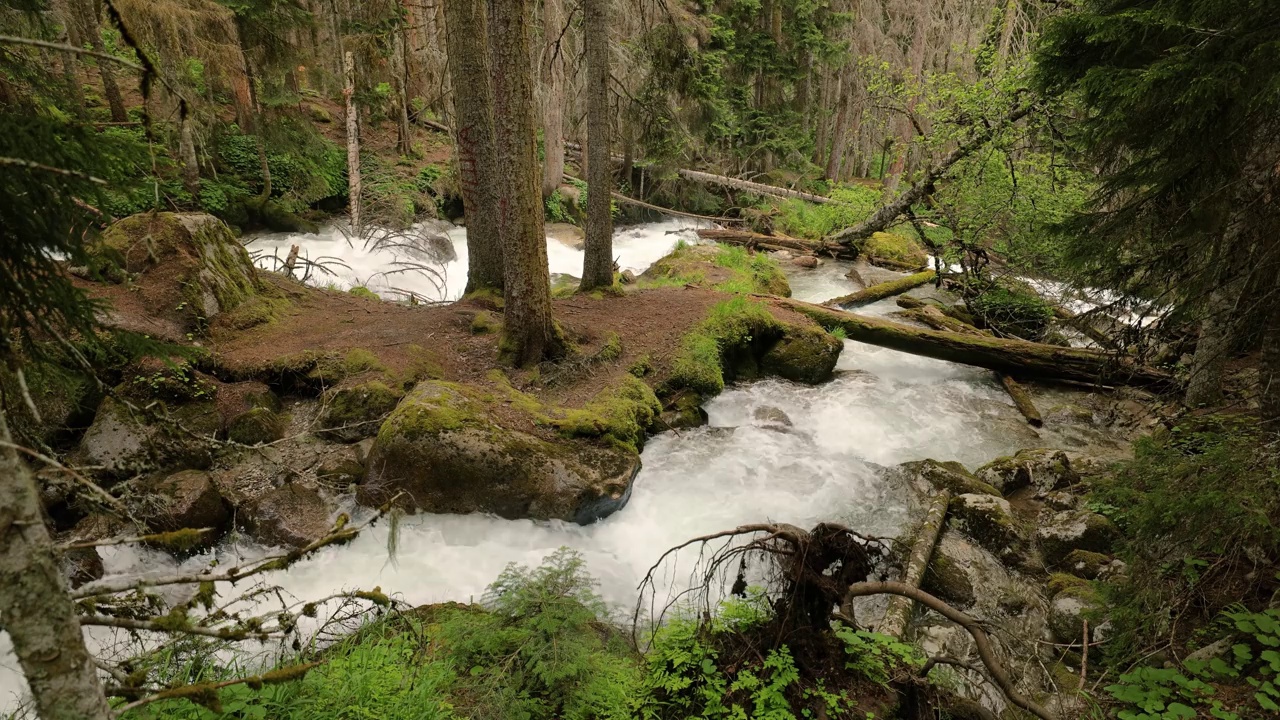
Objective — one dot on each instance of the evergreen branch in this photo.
(197, 690)
(19, 162)
(167, 627)
(14, 40)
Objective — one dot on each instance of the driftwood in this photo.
(1021, 400)
(898, 615)
(866, 296)
(1016, 357)
(886, 215)
(980, 638)
(932, 316)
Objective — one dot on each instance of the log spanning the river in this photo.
(776, 242)
(1015, 357)
(866, 296)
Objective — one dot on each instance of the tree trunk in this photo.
(35, 608)
(253, 114)
(529, 334)
(71, 61)
(597, 265)
(187, 152)
(553, 101)
(91, 26)
(467, 33)
(354, 185)
(883, 217)
(1021, 400)
(919, 40)
(836, 157)
(771, 242)
(897, 617)
(1270, 370)
(1015, 357)
(400, 63)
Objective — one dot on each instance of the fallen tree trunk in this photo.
(931, 316)
(866, 296)
(1082, 324)
(1016, 357)
(885, 216)
(751, 239)
(1021, 400)
(898, 615)
(667, 211)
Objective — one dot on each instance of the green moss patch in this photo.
(710, 348)
(894, 247)
(352, 413)
(620, 415)
(723, 267)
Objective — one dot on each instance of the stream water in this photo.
(883, 408)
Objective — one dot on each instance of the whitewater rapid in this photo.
(883, 408)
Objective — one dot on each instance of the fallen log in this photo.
(1021, 400)
(866, 296)
(898, 615)
(751, 239)
(886, 215)
(1015, 357)
(666, 211)
(1082, 324)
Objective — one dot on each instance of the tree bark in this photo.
(883, 217)
(467, 33)
(836, 157)
(400, 62)
(898, 615)
(1016, 357)
(35, 608)
(1021, 400)
(1269, 377)
(91, 27)
(553, 101)
(187, 151)
(597, 265)
(529, 333)
(354, 185)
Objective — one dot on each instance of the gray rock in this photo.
(290, 516)
(445, 454)
(770, 416)
(1066, 618)
(628, 277)
(566, 234)
(806, 261)
(187, 499)
(121, 442)
(989, 521)
(1060, 533)
(1044, 469)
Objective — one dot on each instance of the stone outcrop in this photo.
(290, 516)
(122, 441)
(1042, 469)
(805, 354)
(443, 450)
(1061, 533)
(184, 500)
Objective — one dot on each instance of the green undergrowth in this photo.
(542, 645)
(728, 333)
(800, 218)
(692, 265)
(1012, 309)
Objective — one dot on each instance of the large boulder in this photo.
(931, 475)
(446, 454)
(184, 500)
(353, 412)
(806, 353)
(1042, 469)
(186, 267)
(122, 441)
(990, 522)
(894, 248)
(1061, 533)
(292, 515)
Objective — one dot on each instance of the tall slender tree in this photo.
(597, 264)
(467, 35)
(553, 96)
(529, 333)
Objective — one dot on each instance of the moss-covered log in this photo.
(1021, 400)
(772, 242)
(1016, 357)
(932, 316)
(883, 290)
(898, 615)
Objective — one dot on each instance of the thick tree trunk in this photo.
(467, 34)
(774, 242)
(836, 157)
(883, 217)
(187, 151)
(91, 27)
(919, 41)
(354, 184)
(553, 101)
(1021, 400)
(529, 334)
(1015, 357)
(597, 266)
(35, 608)
(71, 61)
(400, 61)
(1269, 377)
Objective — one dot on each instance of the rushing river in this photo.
(883, 408)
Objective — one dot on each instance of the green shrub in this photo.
(1013, 311)
(800, 218)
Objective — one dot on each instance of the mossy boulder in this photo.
(620, 415)
(446, 453)
(1044, 469)
(122, 441)
(188, 267)
(946, 578)
(292, 515)
(1086, 564)
(895, 248)
(724, 267)
(257, 426)
(726, 346)
(949, 475)
(990, 522)
(806, 353)
(1061, 533)
(184, 500)
(1074, 601)
(684, 410)
(354, 412)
